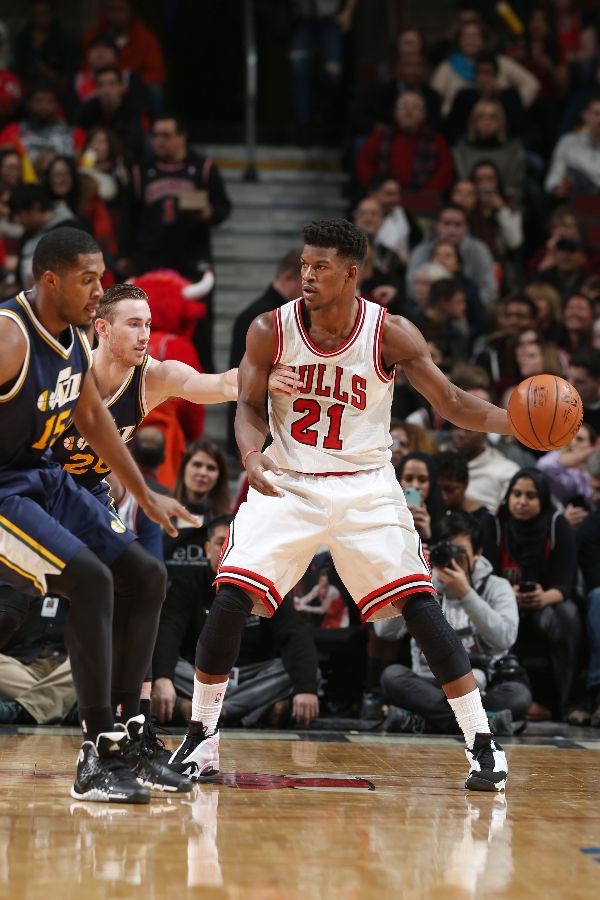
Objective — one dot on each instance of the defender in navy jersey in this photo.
(327, 479)
(53, 534)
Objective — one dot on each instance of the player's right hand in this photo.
(161, 508)
(163, 699)
(256, 467)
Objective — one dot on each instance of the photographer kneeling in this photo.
(482, 609)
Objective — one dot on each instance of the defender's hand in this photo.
(162, 509)
(256, 466)
(284, 380)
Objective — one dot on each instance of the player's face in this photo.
(78, 290)
(324, 276)
(523, 500)
(129, 332)
(201, 475)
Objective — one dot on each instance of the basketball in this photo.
(545, 412)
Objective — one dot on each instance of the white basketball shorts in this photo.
(362, 518)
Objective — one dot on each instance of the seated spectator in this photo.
(486, 87)
(148, 449)
(458, 71)
(486, 140)
(481, 607)
(496, 352)
(369, 216)
(409, 438)
(103, 160)
(584, 375)
(575, 164)
(548, 309)
(139, 48)
(203, 487)
(539, 52)
(533, 546)
(10, 168)
(277, 659)
(102, 51)
(32, 208)
(532, 357)
(400, 230)
(380, 280)
(11, 86)
(576, 513)
(489, 470)
(417, 472)
(566, 469)
(494, 220)
(77, 192)
(42, 134)
(578, 319)
(569, 270)
(424, 277)
(416, 155)
(443, 321)
(36, 685)
(453, 481)
(478, 265)
(448, 255)
(114, 108)
(564, 223)
(43, 48)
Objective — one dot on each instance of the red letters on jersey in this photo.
(311, 410)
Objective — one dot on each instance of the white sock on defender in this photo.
(470, 715)
(207, 703)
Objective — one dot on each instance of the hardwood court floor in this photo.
(417, 834)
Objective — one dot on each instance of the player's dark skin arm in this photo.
(97, 426)
(404, 344)
(251, 426)
(14, 348)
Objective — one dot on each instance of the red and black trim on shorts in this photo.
(253, 582)
(395, 590)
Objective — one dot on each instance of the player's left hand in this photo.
(256, 466)
(284, 380)
(454, 579)
(305, 708)
(162, 509)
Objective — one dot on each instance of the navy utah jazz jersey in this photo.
(39, 406)
(127, 406)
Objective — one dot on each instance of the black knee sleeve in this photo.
(218, 646)
(14, 608)
(442, 647)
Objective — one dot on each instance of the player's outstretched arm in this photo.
(172, 378)
(250, 422)
(96, 425)
(405, 345)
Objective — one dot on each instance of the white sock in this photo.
(207, 703)
(470, 715)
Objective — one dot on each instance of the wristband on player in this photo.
(247, 454)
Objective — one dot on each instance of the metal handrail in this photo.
(250, 173)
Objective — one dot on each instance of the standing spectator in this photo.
(44, 49)
(478, 265)
(489, 470)
(575, 164)
(102, 51)
(171, 234)
(533, 546)
(482, 608)
(416, 155)
(36, 685)
(139, 49)
(42, 134)
(114, 108)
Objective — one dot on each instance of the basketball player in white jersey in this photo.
(327, 479)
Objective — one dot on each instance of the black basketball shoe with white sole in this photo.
(197, 756)
(155, 745)
(150, 772)
(103, 776)
(488, 766)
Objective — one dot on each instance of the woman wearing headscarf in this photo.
(532, 545)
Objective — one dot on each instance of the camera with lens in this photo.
(442, 554)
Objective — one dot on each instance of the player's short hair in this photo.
(452, 466)
(58, 250)
(290, 263)
(349, 241)
(114, 295)
(456, 523)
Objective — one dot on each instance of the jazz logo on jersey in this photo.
(67, 389)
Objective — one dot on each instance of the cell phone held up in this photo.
(412, 496)
(527, 587)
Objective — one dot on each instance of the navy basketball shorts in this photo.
(45, 520)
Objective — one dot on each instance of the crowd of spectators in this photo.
(474, 169)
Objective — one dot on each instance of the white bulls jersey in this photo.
(339, 421)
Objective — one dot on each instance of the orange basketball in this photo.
(545, 412)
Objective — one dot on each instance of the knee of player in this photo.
(155, 578)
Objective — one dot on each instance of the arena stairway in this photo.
(294, 187)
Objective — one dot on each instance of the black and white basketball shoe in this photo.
(102, 775)
(197, 756)
(145, 765)
(488, 766)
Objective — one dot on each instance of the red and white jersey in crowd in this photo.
(339, 421)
